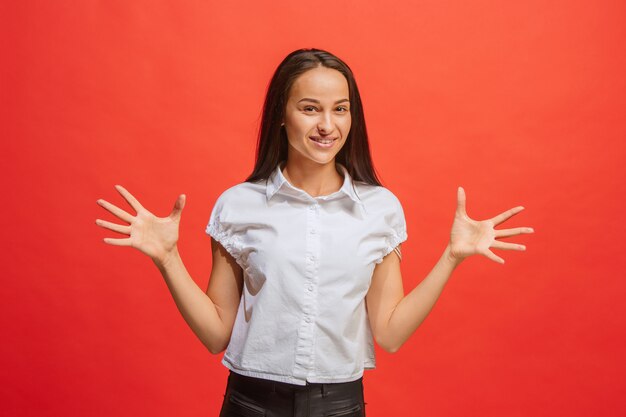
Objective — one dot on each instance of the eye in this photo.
(309, 107)
(344, 108)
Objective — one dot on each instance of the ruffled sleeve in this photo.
(395, 228)
(222, 228)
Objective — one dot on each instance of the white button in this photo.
(310, 287)
(312, 231)
(308, 319)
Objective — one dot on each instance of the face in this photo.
(317, 115)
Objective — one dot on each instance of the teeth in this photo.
(323, 141)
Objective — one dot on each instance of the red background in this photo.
(521, 103)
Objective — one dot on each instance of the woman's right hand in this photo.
(152, 235)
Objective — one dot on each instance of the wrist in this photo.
(163, 261)
(450, 258)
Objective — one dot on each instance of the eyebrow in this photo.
(317, 101)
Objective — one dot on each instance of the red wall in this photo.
(521, 103)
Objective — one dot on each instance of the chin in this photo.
(316, 154)
(320, 160)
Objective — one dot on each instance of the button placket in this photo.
(304, 359)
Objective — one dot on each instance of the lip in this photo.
(323, 145)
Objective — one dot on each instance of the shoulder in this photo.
(239, 200)
(385, 218)
(244, 192)
(377, 197)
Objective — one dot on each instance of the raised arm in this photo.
(393, 316)
(210, 315)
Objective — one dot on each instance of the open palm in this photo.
(152, 235)
(470, 237)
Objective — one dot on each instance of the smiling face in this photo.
(317, 115)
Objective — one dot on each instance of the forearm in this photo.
(195, 306)
(415, 306)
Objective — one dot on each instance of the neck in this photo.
(315, 179)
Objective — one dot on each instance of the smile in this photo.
(324, 143)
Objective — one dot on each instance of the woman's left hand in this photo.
(470, 237)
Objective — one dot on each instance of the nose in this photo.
(325, 124)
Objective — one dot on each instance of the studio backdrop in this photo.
(520, 103)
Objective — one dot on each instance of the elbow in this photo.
(392, 349)
(217, 348)
(387, 347)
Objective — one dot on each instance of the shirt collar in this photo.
(277, 180)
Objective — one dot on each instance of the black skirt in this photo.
(247, 396)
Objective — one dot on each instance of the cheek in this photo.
(295, 131)
(300, 123)
(345, 126)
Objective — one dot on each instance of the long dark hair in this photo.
(272, 140)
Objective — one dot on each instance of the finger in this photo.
(489, 254)
(129, 197)
(513, 232)
(507, 214)
(117, 242)
(507, 245)
(113, 226)
(460, 201)
(116, 211)
(178, 207)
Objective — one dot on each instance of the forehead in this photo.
(320, 83)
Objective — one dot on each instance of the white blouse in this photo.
(307, 262)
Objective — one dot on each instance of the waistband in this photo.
(255, 386)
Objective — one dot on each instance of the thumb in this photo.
(460, 201)
(178, 207)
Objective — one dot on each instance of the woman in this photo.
(303, 279)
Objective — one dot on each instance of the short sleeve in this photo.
(395, 228)
(223, 229)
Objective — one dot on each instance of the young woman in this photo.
(303, 277)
